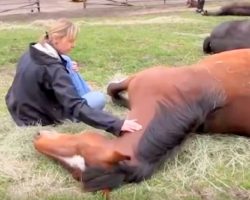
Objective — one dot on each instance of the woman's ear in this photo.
(54, 39)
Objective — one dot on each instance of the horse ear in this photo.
(117, 157)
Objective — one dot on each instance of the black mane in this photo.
(170, 126)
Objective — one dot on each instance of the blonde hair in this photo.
(59, 29)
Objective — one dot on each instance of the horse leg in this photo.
(191, 3)
(115, 89)
(200, 6)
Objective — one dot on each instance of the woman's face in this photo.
(64, 45)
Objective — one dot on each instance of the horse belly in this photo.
(232, 118)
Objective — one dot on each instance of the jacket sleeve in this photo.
(67, 96)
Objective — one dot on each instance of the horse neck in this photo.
(126, 144)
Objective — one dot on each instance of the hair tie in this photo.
(46, 35)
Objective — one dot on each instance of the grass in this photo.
(206, 167)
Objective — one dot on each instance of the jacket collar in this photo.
(47, 48)
(45, 56)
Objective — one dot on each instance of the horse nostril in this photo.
(37, 135)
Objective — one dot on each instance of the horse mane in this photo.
(174, 122)
(170, 126)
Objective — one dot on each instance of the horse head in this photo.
(78, 151)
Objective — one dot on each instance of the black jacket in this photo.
(43, 93)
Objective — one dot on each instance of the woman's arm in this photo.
(70, 100)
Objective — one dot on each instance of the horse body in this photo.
(223, 72)
(152, 92)
(240, 9)
(228, 36)
(232, 70)
(145, 85)
(170, 103)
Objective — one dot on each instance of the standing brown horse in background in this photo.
(211, 96)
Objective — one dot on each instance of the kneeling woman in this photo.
(43, 92)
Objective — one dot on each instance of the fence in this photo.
(32, 5)
(120, 2)
(22, 6)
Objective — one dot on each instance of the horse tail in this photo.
(115, 90)
(207, 45)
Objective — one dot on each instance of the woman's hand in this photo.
(130, 125)
(75, 66)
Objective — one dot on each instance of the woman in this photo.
(43, 93)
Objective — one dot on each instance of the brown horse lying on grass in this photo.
(211, 96)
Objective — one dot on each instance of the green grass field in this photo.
(205, 168)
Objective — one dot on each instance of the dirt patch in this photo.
(93, 12)
(65, 8)
(239, 193)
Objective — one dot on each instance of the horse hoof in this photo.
(204, 13)
(198, 11)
